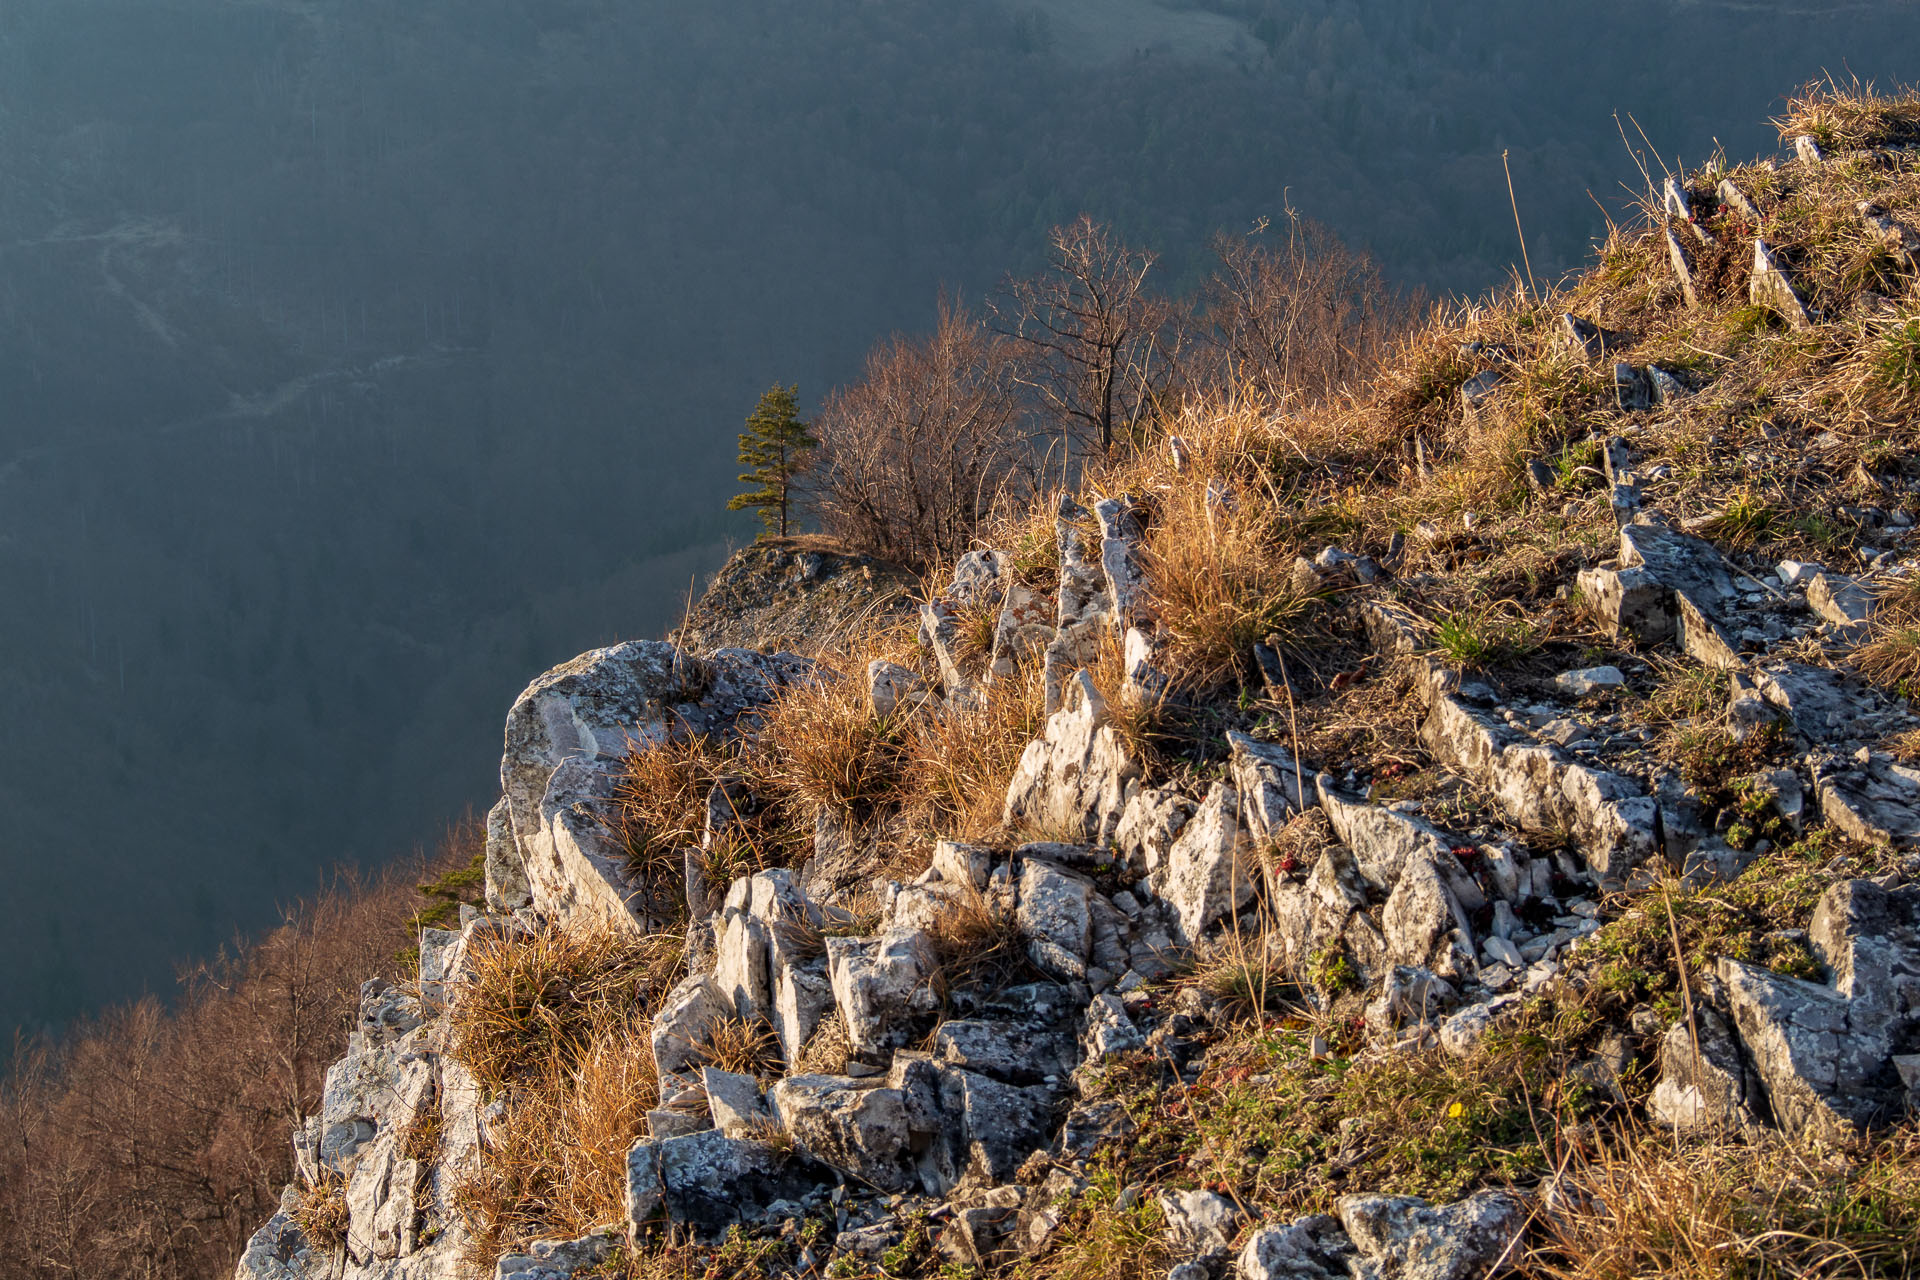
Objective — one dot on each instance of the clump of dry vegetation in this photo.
(558, 1021)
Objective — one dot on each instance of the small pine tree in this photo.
(773, 449)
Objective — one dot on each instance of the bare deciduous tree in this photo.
(914, 456)
(1302, 316)
(1095, 344)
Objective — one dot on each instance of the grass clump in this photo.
(1479, 636)
(1891, 656)
(1725, 1211)
(321, 1213)
(559, 1022)
(533, 999)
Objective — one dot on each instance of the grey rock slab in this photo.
(1408, 1239)
(507, 887)
(1873, 804)
(855, 1126)
(600, 707)
(1110, 1032)
(802, 996)
(1770, 288)
(1150, 825)
(1208, 870)
(1122, 559)
(1842, 601)
(1736, 200)
(892, 688)
(1075, 777)
(1590, 680)
(965, 864)
(940, 632)
(279, 1250)
(1271, 784)
(1312, 1248)
(1823, 706)
(556, 1259)
(880, 984)
(1391, 628)
(1628, 602)
(1679, 560)
(707, 1180)
(1793, 1032)
(998, 1125)
(740, 967)
(1022, 633)
(1702, 639)
(681, 1026)
(1199, 1221)
(734, 1101)
(1012, 1052)
(1539, 788)
(1705, 1088)
(1055, 916)
(1682, 263)
(980, 579)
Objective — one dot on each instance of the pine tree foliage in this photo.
(773, 449)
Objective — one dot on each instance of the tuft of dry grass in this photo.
(1219, 550)
(556, 1166)
(537, 999)
(744, 1047)
(1851, 117)
(958, 764)
(978, 949)
(825, 1052)
(820, 744)
(321, 1212)
(1891, 656)
(663, 803)
(1637, 1206)
(558, 1021)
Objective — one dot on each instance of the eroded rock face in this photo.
(1075, 779)
(1540, 788)
(574, 725)
(856, 1126)
(1208, 873)
(1408, 1239)
(1826, 1056)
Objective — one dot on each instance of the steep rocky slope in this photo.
(1396, 810)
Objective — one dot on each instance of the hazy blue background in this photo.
(361, 359)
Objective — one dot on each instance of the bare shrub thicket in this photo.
(1095, 345)
(151, 1142)
(1296, 315)
(914, 456)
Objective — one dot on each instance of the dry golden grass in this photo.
(826, 1051)
(1639, 1207)
(321, 1212)
(557, 1165)
(958, 764)
(1891, 656)
(1852, 116)
(744, 1047)
(1219, 546)
(558, 1022)
(977, 949)
(663, 805)
(820, 744)
(534, 1000)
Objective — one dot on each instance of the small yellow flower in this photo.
(1455, 1111)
